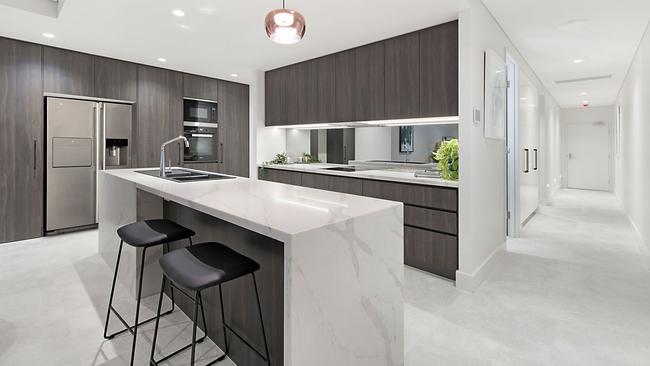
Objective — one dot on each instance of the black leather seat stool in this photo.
(197, 268)
(143, 234)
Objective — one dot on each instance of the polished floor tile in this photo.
(573, 290)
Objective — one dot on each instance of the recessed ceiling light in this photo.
(184, 26)
(523, 98)
(573, 25)
(578, 61)
(207, 10)
(583, 93)
(234, 75)
(48, 35)
(178, 12)
(162, 59)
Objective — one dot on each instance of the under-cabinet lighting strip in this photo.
(378, 123)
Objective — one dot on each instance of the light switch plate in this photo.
(477, 116)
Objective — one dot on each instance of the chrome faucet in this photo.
(162, 152)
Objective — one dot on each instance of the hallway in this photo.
(574, 290)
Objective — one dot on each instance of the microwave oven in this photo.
(200, 111)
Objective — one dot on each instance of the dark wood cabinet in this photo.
(410, 76)
(280, 176)
(333, 183)
(233, 129)
(201, 87)
(276, 93)
(340, 145)
(402, 65)
(68, 72)
(424, 218)
(159, 115)
(439, 70)
(440, 198)
(430, 251)
(359, 83)
(115, 79)
(21, 141)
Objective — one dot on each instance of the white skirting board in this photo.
(471, 281)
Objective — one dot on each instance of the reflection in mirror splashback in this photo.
(367, 143)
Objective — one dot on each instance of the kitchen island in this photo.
(331, 263)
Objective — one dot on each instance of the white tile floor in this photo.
(575, 290)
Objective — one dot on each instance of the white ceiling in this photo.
(550, 34)
(224, 37)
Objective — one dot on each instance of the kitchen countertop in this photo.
(392, 175)
(259, 205)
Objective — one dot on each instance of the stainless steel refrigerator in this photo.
(83, 136)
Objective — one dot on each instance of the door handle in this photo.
(570, 156)
(535, 151)
(527, 160)
(34, 156)
(221, 146)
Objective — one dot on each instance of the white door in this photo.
(588, 156)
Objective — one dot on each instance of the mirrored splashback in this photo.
(403, 143)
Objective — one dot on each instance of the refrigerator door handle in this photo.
(527, 160)
(535, 151)
(103, 140)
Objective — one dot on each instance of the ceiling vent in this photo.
(583, 79)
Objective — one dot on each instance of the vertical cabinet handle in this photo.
(34, 155)
(535, 152)
(527, 160)
(221, 146)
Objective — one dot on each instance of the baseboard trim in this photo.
(645, 245)
(471, 281)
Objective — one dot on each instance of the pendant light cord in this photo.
(283, 7)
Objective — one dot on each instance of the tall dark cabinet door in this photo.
(21, 141)
(360, 83)
(303, 93)
(233, 128)
(439, 70)
(402, 91)
(276, 88)
(159, 115)
(115, 79)
(200, 87)
(68, 72)
(326, 89)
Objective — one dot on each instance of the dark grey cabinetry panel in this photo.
(303, 93)
(280, 176)
(340, 145)
(233, 129)
(359, 83)
(431, 251)
(21, 141)
(333, 183)
(276, 93)
(115, 79)
(413, 194)
(68, 72)
(200, 87)
(402, 94)
(326, 89)
(442, 221)
(439, 70)
(159, 115)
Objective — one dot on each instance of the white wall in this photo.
(298, 143)
(266, 142)
(633, 157)
(585, 115)
(482, 192)
(550, 154)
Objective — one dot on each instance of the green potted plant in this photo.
(447, 157)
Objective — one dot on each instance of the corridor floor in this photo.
(574, 290)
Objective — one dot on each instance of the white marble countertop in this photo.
(276, 210)
(392, 175)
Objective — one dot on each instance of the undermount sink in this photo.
(183, 175)
(350, 168)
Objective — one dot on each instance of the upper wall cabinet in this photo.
(200, 87)
(360, 83)
(411, 76)
(115, 79)
(439, 70)
(68, 72)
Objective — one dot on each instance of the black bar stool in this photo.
(144, 234)
(197, 268)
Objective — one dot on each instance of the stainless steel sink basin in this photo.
(183, 175)
(349, 168)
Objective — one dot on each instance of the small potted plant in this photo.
(447, 157)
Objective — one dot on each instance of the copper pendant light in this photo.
(285, 26)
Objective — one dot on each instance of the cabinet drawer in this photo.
(333, 183)
(412, 194)
(446, 222)
(431, 251)
(280, 176)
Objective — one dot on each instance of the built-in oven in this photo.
(203, 145)
(200, 110)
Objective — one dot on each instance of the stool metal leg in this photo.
(110, 299)
(137, 306)
(223, 321)
(194, 320)
(259, 309)
(155, 329)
